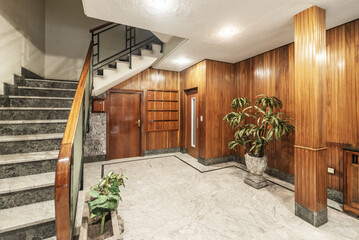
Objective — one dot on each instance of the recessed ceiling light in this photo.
(181, 61)
(227, 32)
(160, 5)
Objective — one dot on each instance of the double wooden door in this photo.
(123, 124)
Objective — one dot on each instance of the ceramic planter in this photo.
(256, 167)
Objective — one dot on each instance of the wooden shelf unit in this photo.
(162, 110)
(351, 180)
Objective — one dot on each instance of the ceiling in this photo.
(226, 30)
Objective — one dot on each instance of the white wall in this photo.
(22, 38)
(67, 38)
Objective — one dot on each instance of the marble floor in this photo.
(172, 196)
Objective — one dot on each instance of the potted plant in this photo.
(100, 219)
(256, 125)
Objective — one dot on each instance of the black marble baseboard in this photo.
(211, 161)
(183, 150)
(27, 168)
(26, 73)
(161, 151)
(315, 218)
(39, 231)
(335, 195)
(272, 172)
(26, 197)
(96, 158)
(280, 175)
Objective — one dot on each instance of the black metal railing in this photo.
(130, 46)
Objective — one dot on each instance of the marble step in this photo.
(33, 221)
(49, 92)
(24, 190)
(26, 127)
(35, 101)
(47, 83)
(23, 164)
(35, 113)
(30, 143)
(51, 238)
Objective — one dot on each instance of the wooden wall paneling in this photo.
(151, 79)
(220, 91)
(151, 105)
(194, 77)
(243, 76)
(151, 115)
(151, 95)
(335, 46)
(310, 93)
(271, 73)
(166, 115)
(166, 96)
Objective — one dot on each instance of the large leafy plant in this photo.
(257, 124)
(105, 196)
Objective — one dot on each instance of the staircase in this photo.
(137, 55)
(32, 121)
(120, 70)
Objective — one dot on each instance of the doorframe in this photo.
(185, 110)
(107, 107)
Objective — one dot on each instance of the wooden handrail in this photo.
(62, 176)
(101, 26)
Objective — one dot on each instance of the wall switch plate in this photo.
(201, 118)
(330, 170)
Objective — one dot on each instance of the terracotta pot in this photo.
(256, 167)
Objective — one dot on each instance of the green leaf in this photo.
(114, 187)
(94, 193)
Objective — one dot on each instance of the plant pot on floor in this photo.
(256, 167)
(90, 228)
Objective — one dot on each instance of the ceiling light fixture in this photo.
(182, 61)
(160, 5)
(227, 32)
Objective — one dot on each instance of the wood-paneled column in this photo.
(310, 133)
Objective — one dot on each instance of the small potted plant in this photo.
(256, 125)
(100, 220)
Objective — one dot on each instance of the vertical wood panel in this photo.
(271, 73)
(310, 94)
(220, 92)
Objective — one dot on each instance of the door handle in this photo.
(139, 122)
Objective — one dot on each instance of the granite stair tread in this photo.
(52, 80)
(26, 216)
(33, 121)
(34, 108)
(20, 138)
(28, 157)
(42, 97)
(51, 89)
(23, 183)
